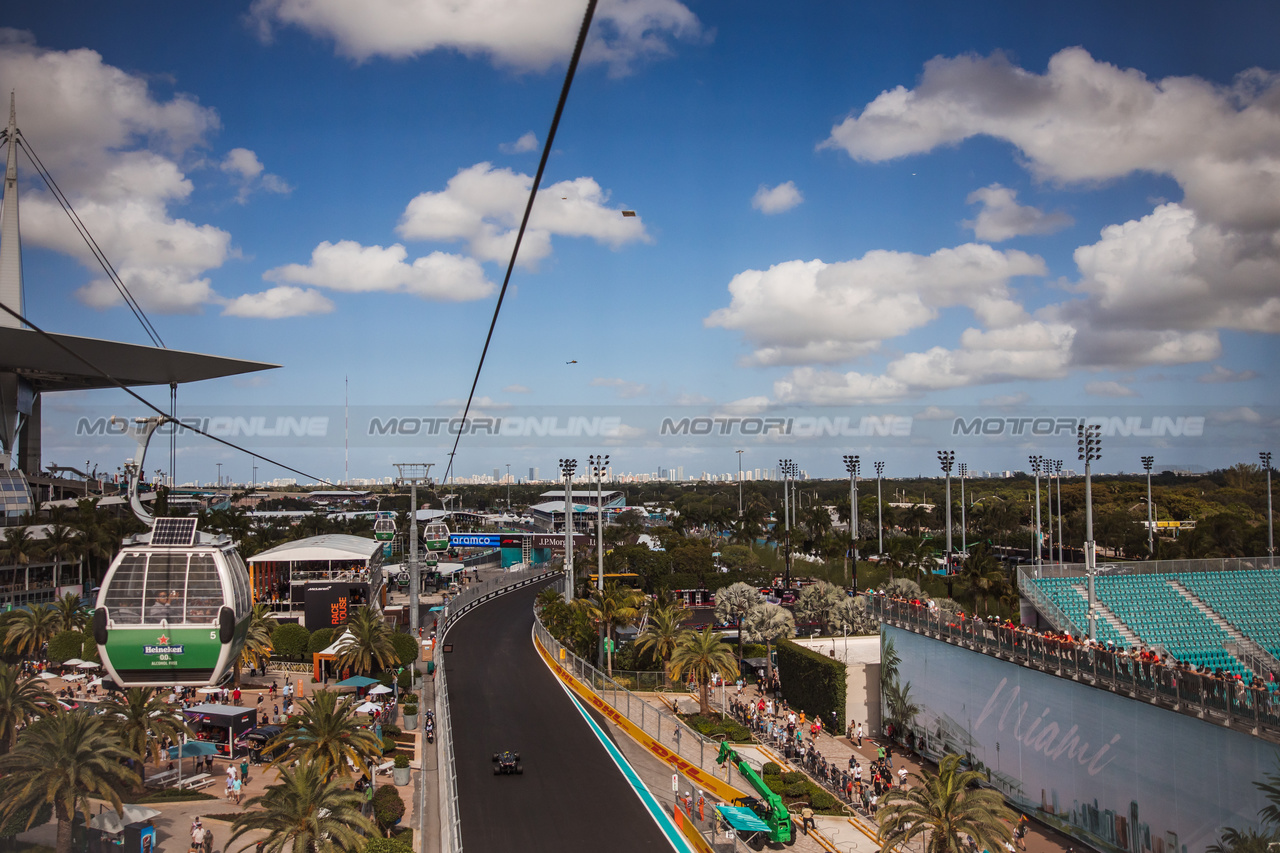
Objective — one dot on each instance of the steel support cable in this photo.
(524, 222)
(144, 401)
(99, 255)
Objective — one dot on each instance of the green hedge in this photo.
(290, 640)
(711, 727)
(65, 645)
(321, 639)
(811, 682)
(406, 648)
(388, 807)
(387, 845)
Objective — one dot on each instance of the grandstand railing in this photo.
(1044, 604)
(1156, 567)
(1252, 709)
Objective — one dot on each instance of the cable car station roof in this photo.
(50, 368)
(330, 546)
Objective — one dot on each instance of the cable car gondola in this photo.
(174, 607)
(384, 527)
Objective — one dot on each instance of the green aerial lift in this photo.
(769, 806)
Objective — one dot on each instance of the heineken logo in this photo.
(162, 647)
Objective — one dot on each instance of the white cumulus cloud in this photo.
(777, 199)
(527, 142)
(622, 387)
(244, 165)
(525, 34)
(1109, 389)
(1225, 374)
(351, 267)
(1002, 218)
(801, 312)
(278, 302)
(482, 207)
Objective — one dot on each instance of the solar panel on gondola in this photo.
(179, 532)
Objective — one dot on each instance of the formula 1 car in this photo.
(505, 763)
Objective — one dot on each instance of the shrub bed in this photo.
(716, 727)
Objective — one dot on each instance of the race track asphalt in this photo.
(571, 796)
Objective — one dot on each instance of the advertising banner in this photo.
(1117, 773)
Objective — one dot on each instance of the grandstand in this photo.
(1221, 619)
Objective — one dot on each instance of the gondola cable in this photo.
(144, 401)
(94, 249)
(524, 222)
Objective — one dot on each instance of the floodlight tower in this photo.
(413, 473)
(964, 538)
(947, 458)
(1151, 524)
(786, 467)
(567, 467)
(598, 465)
(852, 465)
(879, 506)
(1057, 473)
(1089, 449)
(1265, 456)
(1036, 462)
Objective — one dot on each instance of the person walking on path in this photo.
(806, 816)
(859, 734)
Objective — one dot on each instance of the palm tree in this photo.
(733, 603)
(143, 720)
(946, 805)
(817, 603)
(19, 546)
(70, 613)
(702, 654)
(767, 623)
(29, 630)
(60, 543)
(22, 699)
(369, 644)
(613, 607)
(306, 812)
(257, 643)
(662, 634)
(325, 732)
(63, 760)
(981, 575)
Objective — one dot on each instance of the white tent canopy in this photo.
(331, 546)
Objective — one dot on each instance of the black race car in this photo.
(506, 763)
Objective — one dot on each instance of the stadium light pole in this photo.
(784, 467)
(1036, 462)
(1265, 456)
(964, 538)
(1151, 524)
(947, 458)
(1089, 449)
(598, 465)
(1057, 471)
(567, 467)
(879, 506)
(739, 452)
(508, 487)
(852, 464)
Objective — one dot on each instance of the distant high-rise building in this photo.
(533, 474)
(680, 472)
(497, 474)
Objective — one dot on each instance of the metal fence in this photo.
(662, 725)
(447, 779)
(1233, 703)
(477, 594)
(1154, 567)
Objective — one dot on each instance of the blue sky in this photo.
(928, 210)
